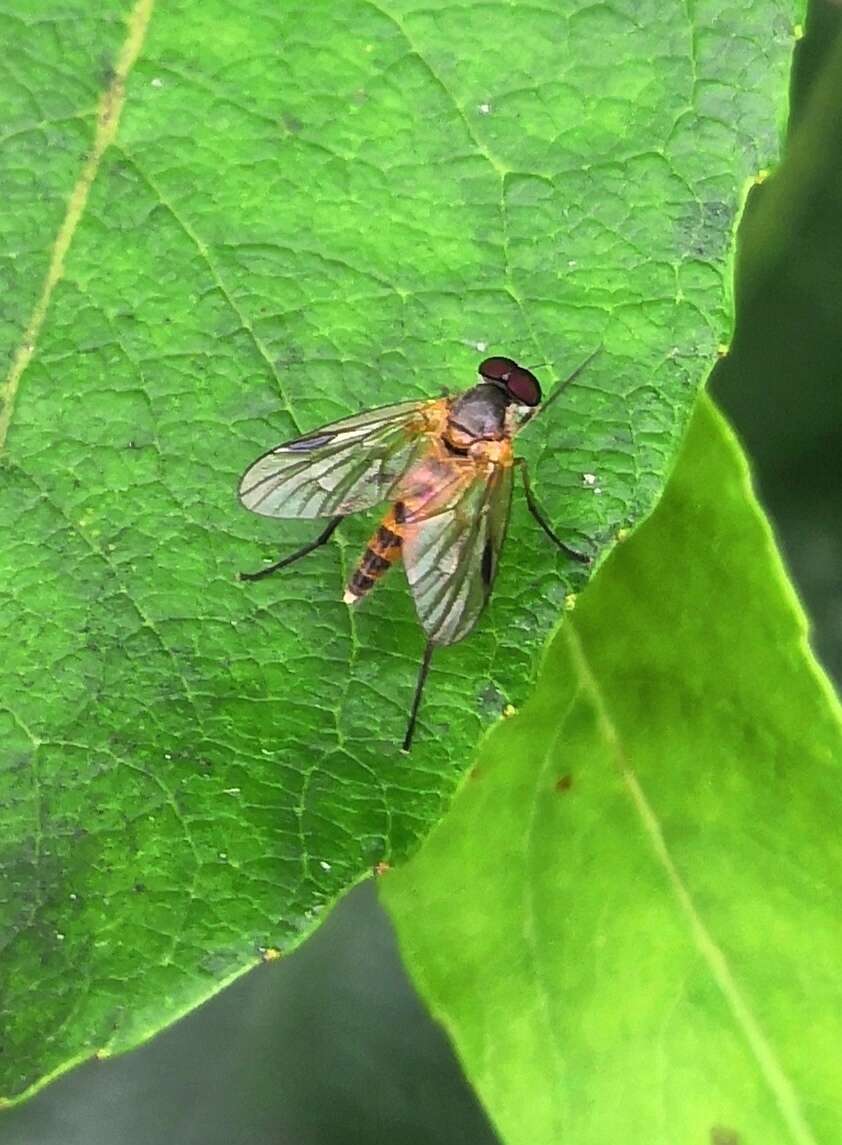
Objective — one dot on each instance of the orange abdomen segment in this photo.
(382, 551)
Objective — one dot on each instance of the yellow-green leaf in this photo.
(628, 923)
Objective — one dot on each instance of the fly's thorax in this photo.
(433, 482)
(479, 413)
(492, 453)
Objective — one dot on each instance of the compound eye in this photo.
(497, 369)
(523, 386)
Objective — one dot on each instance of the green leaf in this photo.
(286, 213)
(628, 922)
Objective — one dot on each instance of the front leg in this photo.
(537, 513)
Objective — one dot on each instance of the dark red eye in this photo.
(523, 386)
(496, 369)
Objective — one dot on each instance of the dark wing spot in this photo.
(400, 512)
(303, 444)
(487, 567)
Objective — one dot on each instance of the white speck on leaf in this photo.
(156, 82)
(485, 109)
(324, 865)
(589, 479)
(481, 347)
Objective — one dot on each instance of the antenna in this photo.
(572, 377)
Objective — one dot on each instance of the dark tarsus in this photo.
(416, 699)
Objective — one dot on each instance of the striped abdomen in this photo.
(383, 550)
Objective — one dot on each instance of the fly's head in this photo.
(519, 385)
(505, 398)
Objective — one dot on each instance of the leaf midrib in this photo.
(771, 1070)
(109, 110)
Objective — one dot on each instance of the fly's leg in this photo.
(537, 513)
(322, 538)
(416, 699)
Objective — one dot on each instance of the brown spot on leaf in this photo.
(722, 1135)
(564, 783)
(381, 868)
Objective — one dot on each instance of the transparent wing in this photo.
(451, 556)
(341, 468)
